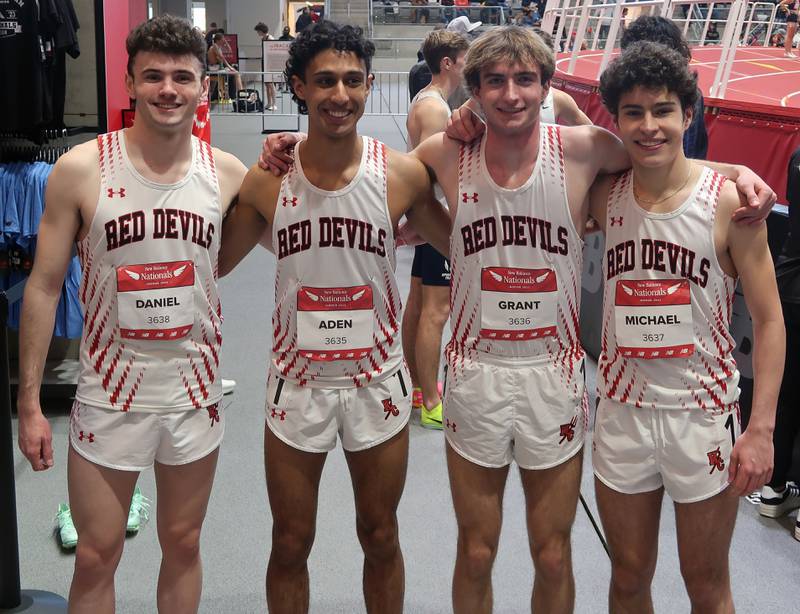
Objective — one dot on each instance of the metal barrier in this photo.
(389, 95)
(392, 12)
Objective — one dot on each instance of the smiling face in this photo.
(335, 90)
(511, 96)
(651, 125)
(166, 88)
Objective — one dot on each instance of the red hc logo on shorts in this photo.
(616, 221)
(568, 430)
(87, 436)
(390, 408)
(112, 192)
(213, 413)
(715, 460)
(279, 414)
(465, 197)
(292, 200)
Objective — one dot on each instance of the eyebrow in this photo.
(657, 105)
(330, 73)
(527, 73)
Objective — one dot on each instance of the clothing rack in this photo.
(21, 146)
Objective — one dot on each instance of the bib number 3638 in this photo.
(155, 301)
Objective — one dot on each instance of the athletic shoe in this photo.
(138, 512)
(432, 418)
(789, 55)
(776, 504)
(416, 398)
(66, 530)
(228, 385)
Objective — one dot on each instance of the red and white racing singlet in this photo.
(667, 304)
(151, 336)
(516, 261)
(337, 307)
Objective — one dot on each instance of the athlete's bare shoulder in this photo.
(404, 168)
(230, 173)
(596, 146)
(260, 190)
(78, 172)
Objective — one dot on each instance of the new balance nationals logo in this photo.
(469, 198)
(112, 192)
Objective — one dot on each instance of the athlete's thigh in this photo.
(477, 495)
(183, 492)
(551, 498)
(292, 482)
(630, 523)
(99, 498)
(436, 299)
(705, 529)
(379, 476)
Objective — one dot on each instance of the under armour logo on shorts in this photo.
(88, 436)
(450, 425)
(279, 414)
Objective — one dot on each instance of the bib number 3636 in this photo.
(518, 304)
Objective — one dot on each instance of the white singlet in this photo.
(151, 336)
(516, 260)
(429, 93)
(666, 305)
(337, 307)
(547, 112)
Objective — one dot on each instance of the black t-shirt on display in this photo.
(21, 66)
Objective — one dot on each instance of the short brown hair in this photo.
(169, 35)
(440, 44)
(507, 44)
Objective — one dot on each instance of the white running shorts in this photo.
(533, 414)
(309, 419)
(638, 450)
(133, 441)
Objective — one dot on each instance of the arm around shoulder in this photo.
(230, 174)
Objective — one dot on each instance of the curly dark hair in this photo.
(655, 29)
(319, 37)
(653, 66)
(166, 34)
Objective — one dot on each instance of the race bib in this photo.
(155, 301)
(335, 323)
(654, 318)
(518, 304)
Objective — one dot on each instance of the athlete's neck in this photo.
(441, 84)
(330, 164)
(510, 158)
(659, 188)
(161, 157)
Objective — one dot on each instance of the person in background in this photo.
(286, 35)
(712, 35)
(779, 496)
(262, 30)
(218, 63)
(212, 30)
(303, 20)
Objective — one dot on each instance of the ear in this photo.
(446, 64)
(298, 86)
(129, 85)
(204, 83)
(370, 81)
(688, 115)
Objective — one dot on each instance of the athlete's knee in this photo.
(436, 313)
(551, 558)
(97, 560)
(706, 583)
(477, 555)
(380, 541)
(630, 578)
(180, 543)
(291, 546)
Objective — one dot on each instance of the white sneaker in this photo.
(797, 529)
(228, 385)
(776, 504)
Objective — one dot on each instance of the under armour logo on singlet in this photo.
(120, 192)
(465, 197)
(292, 200)
(616, 221)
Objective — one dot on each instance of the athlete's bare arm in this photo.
(743, 249)
(230, 174)
(567, 111)
(411, 193)
(249, 219)
(70, 199)
(427, 117)
(598, 200)
(439, 154)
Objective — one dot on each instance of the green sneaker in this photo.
(431, 418)
(66, 530)
(139, 511)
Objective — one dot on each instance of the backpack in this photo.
(248, 101)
